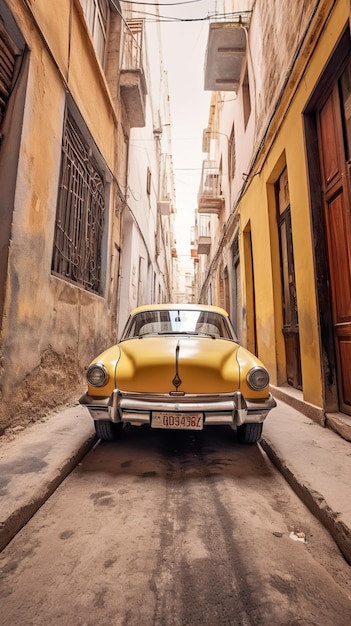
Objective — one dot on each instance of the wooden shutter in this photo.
(8, 54)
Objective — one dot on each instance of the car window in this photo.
(178, 321)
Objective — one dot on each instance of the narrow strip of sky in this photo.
(184, 48)
(184, 28)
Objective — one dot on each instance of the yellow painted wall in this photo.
(43, 314)
(254, 217)
(258, 208)
(63, 26)
(89, 91)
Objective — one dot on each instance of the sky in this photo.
(184, 48)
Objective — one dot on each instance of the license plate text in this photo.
(181, 421)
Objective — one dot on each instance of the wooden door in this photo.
(332, 122)
(289, 300)
(251, 329)
(237, 312)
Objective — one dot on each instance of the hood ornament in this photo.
(177, 381)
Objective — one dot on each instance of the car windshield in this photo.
(178, 321)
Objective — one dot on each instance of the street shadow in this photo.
(214, 452)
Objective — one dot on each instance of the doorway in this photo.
(289, 298)
(333, 118)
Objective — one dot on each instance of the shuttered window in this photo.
(8, 54)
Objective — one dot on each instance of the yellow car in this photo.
(178, 367)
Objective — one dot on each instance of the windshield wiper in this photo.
(176, 332)
(186, 332)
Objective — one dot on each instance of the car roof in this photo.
(176, 307)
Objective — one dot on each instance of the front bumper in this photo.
(231, 409)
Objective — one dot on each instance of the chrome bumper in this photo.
(231, 409)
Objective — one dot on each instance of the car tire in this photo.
(250, 433)
(106, 430)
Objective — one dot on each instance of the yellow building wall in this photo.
(72, 53)
(45, 317)
(254, 221)
(258, 208)
(91, 95)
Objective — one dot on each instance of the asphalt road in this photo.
(174, 529)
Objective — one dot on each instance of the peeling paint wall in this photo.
(52, 328)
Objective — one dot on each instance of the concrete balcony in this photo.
(164, 207)
(210, 198)
(203, 229)
(203, 245)
(226, 49)
(133, 92)
(132, 77)
(164, 203)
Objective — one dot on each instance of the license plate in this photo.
(177, 421)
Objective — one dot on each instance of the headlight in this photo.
(97, 375)
(257, 378)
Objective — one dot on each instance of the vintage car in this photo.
(178, 367)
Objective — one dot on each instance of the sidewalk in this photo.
(314, 460)
(36, 461)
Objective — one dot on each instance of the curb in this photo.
(314, 501)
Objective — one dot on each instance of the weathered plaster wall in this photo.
(275, 32)
(51, 329)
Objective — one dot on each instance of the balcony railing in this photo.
(210, 197)
(203, 234)
(132, 76)
(164, 202)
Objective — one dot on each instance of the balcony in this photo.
(203, 234)
(226, 49)
(164, 203)
(164, 206)
(204, 245)
(210, 198)
(206, 140)
(132, 78)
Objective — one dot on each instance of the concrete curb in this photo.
(316, 503)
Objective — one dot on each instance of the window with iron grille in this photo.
(80, 213)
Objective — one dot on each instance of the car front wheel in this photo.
(106, 430)
(249, 433)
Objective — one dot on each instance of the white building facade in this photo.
(148, 253)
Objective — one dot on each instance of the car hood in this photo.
(188, 364)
